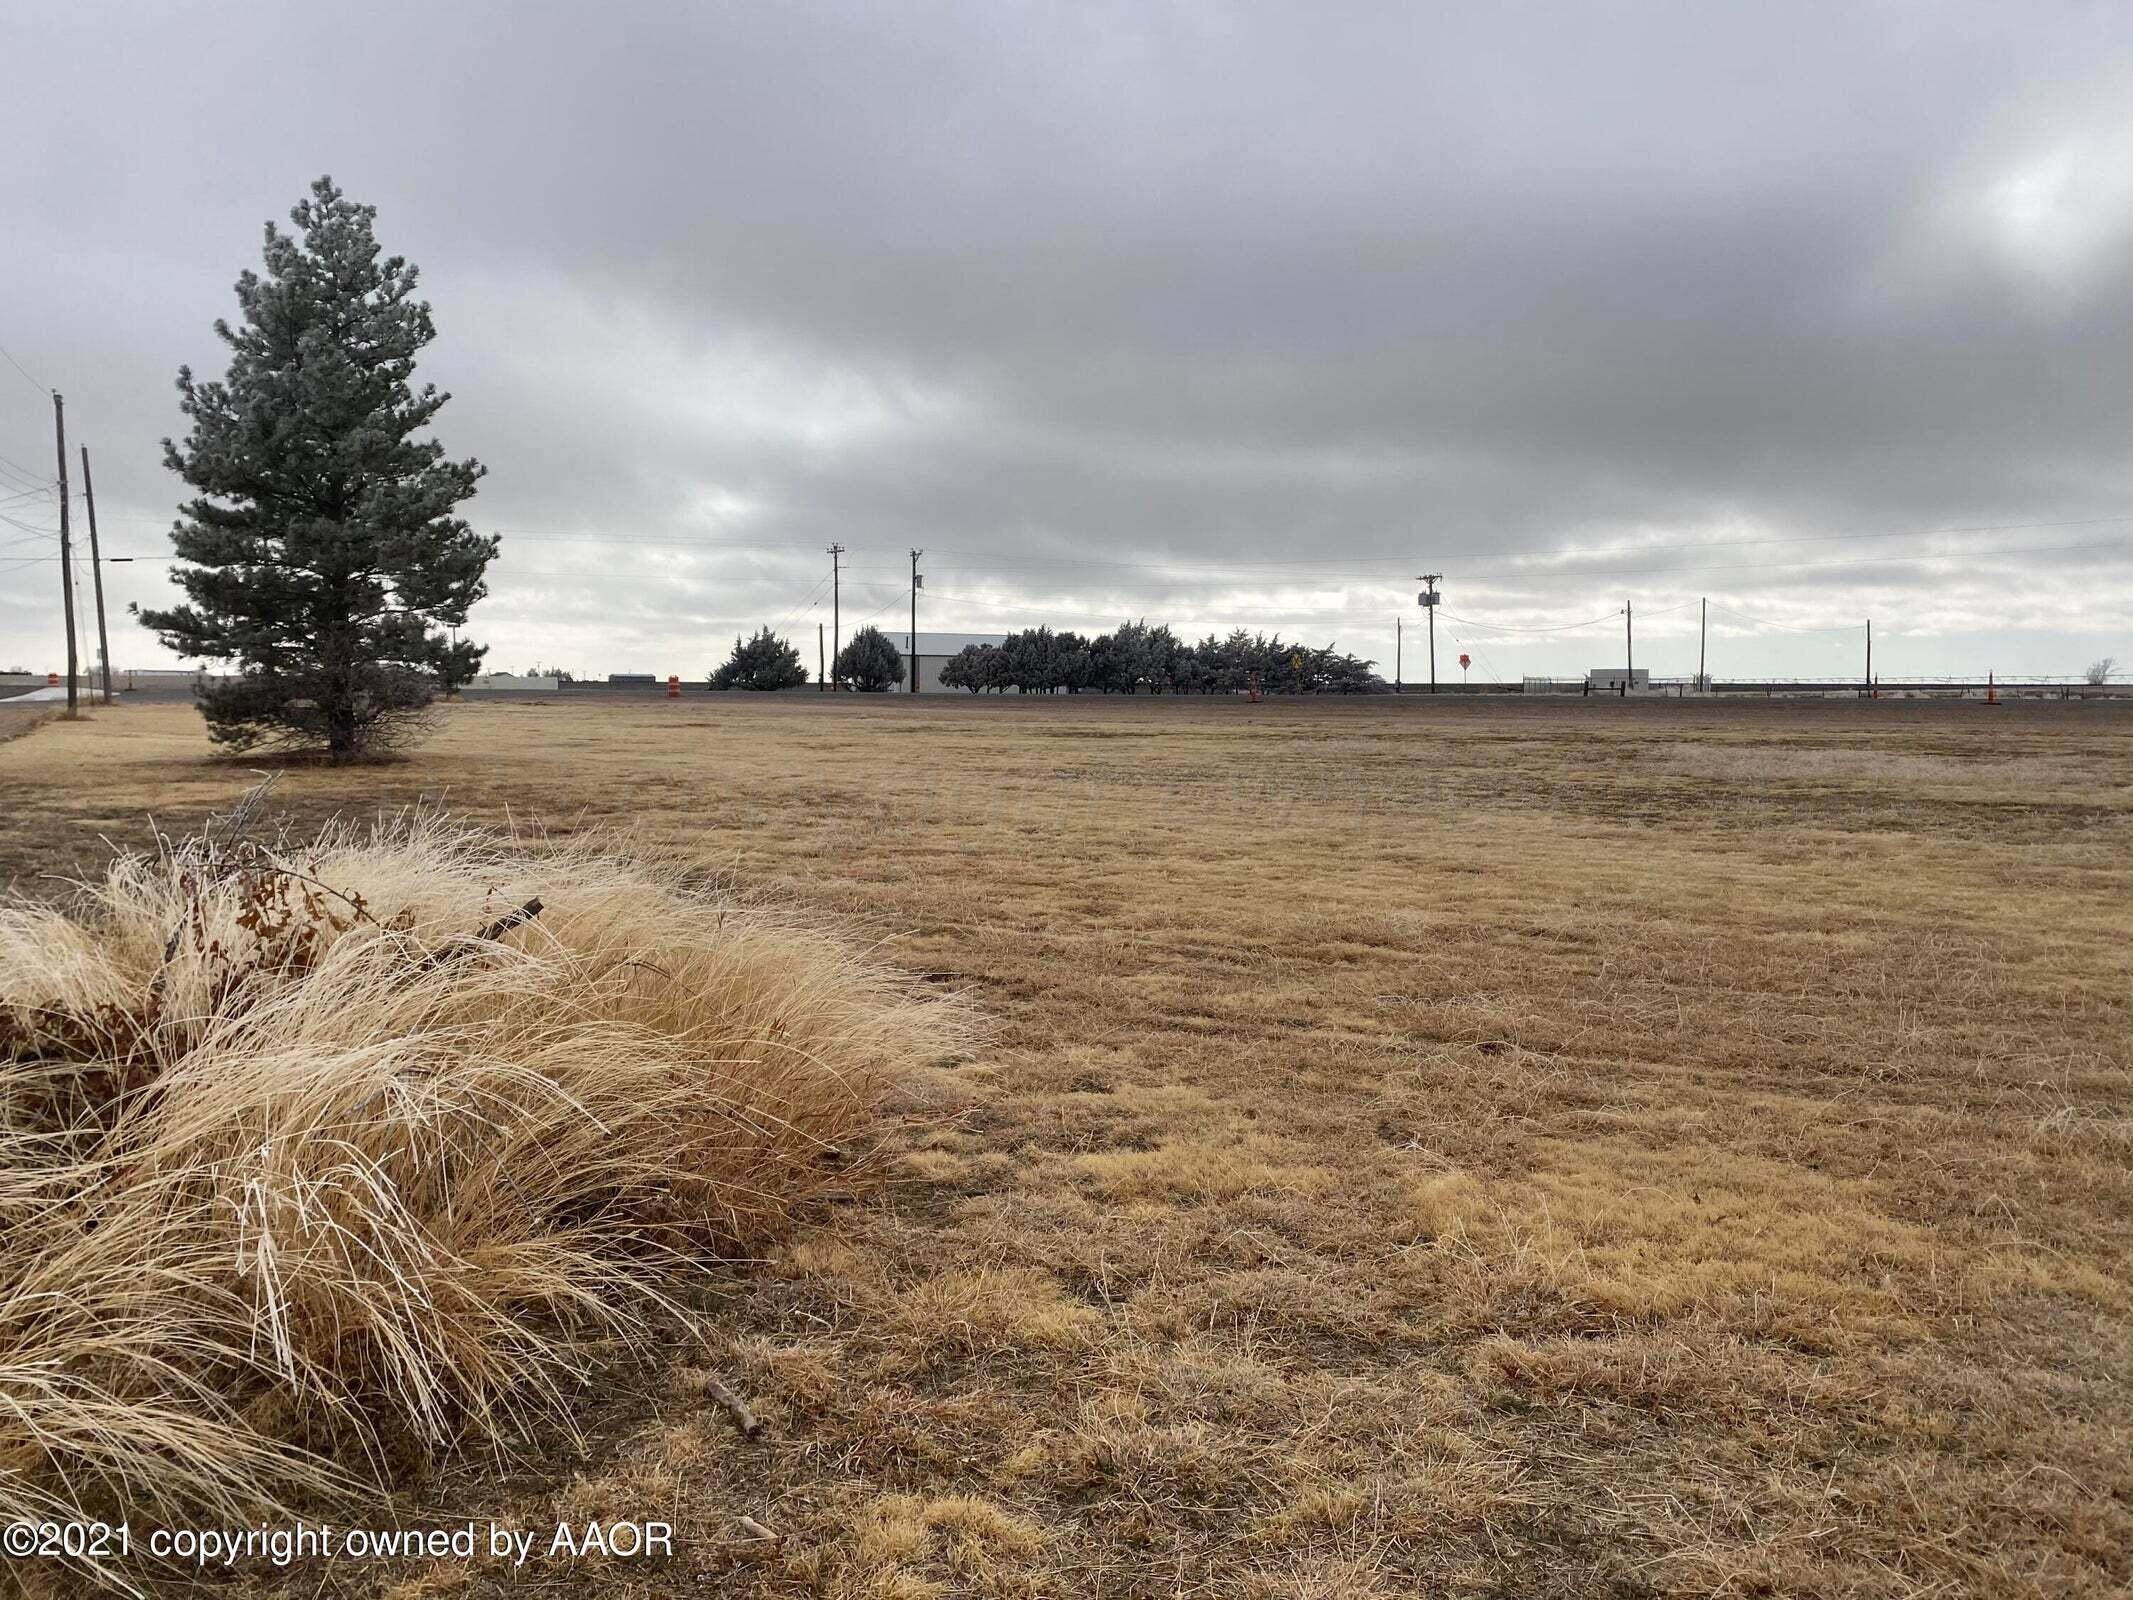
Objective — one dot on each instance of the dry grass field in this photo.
(16, 720)
(1458, 1147)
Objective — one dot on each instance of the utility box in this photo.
(1612, 678)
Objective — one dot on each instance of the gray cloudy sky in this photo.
(1214, 314)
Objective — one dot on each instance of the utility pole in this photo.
(1398, 627)
(66, 547)
(836, 551)
(918, 582)
(1703, 628)
(96, 567)
(1629, 650)
(1428, 601)
(822, 681)
(1869, 656)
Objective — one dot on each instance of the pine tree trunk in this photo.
(339, 706)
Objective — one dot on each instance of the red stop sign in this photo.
(1465, 660)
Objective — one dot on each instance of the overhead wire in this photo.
(1770, 567)
(1548, 568)
(894, 599)
(1488, 664)
(42, 388)
(1077, 559)
(1541, 566)
(1859, 561)
(813, 595)
(1788, 627)
(1501, 627)
(1829, 538)
(11, 472)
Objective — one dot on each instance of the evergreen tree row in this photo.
(1136, 659)
(868, 662)
(1133, 659)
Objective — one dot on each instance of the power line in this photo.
(1775, 567)
(1634, 549)
(1567, 627)
(10, 468)
(1004, 558)
(1528, 573)
(1531, 569)
(877, 611)
(1111, 605)
(1487, 665)
(1827, 538)
(30, 482)
(1821, 566)
(41, 388)
(813, 595)
(1765, 622)
(638, 539)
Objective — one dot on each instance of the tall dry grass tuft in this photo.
(333, 1152)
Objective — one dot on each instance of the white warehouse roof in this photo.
(938, 644)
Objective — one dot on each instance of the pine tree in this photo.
(324, 558)
(869, 662)
(764, 661)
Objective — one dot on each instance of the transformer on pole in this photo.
(1427, 600)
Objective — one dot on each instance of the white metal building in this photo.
(933, 651)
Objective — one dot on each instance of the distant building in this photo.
(633, 679)
(934, 651)
(1612, 678)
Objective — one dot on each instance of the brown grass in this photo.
(1533, 1150)
(17, 720)
(295, 1155)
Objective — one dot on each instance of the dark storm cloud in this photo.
(1119, 309)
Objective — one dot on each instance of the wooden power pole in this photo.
(96, 568)
(1428, 598)
(1703, 628)
(836, 554)
(66, 546)
(917, 581)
